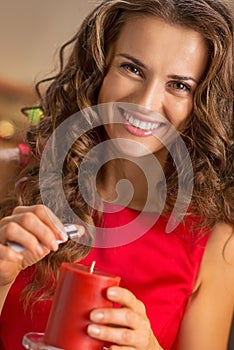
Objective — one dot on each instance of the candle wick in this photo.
(92, 267)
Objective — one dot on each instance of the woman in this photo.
(161, 74)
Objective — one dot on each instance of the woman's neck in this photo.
(132, 182)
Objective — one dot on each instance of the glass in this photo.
(34, 341)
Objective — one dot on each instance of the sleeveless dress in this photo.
(159, 268)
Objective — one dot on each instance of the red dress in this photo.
(159, 268)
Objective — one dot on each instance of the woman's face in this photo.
(153, 71)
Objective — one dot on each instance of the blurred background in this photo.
(31, 33)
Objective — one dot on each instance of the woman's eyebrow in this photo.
(182, 77)
(133, 59)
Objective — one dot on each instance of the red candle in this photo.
(80, 289)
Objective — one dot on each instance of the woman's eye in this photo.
(177, 85)
(131, 69)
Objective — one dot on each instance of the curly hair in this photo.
(208, 136)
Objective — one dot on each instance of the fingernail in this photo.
(63, 234)
(72, 232)
(111, 292)
(54, 245)
(93, 330)
(64, 237)
(96, 316)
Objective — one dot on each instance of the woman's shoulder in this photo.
(217, 265)
(220, 247)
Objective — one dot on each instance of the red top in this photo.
(159, 268)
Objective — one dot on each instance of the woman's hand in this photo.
(128, 327)
(36, 228)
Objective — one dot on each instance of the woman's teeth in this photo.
(147, 126)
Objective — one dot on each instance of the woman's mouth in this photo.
(137, 125)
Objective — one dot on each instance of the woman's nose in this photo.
(151, 96)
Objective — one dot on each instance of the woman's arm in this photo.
(208, 316)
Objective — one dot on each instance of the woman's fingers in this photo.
(34, 227)
(126, 298)
(21, 231)
(11, 263)
(30, 258)
(8, 254)
(29, 231)
(133, 338)
(46, 216)
(127, 326)
(125, 337)
(132, 314)
(121, 316)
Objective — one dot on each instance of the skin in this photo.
(154, 90)
(155, 83)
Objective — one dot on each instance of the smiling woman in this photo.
(147, 69)
(160, 73)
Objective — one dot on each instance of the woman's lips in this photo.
(137, 125)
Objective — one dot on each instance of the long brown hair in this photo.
(208, 137)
